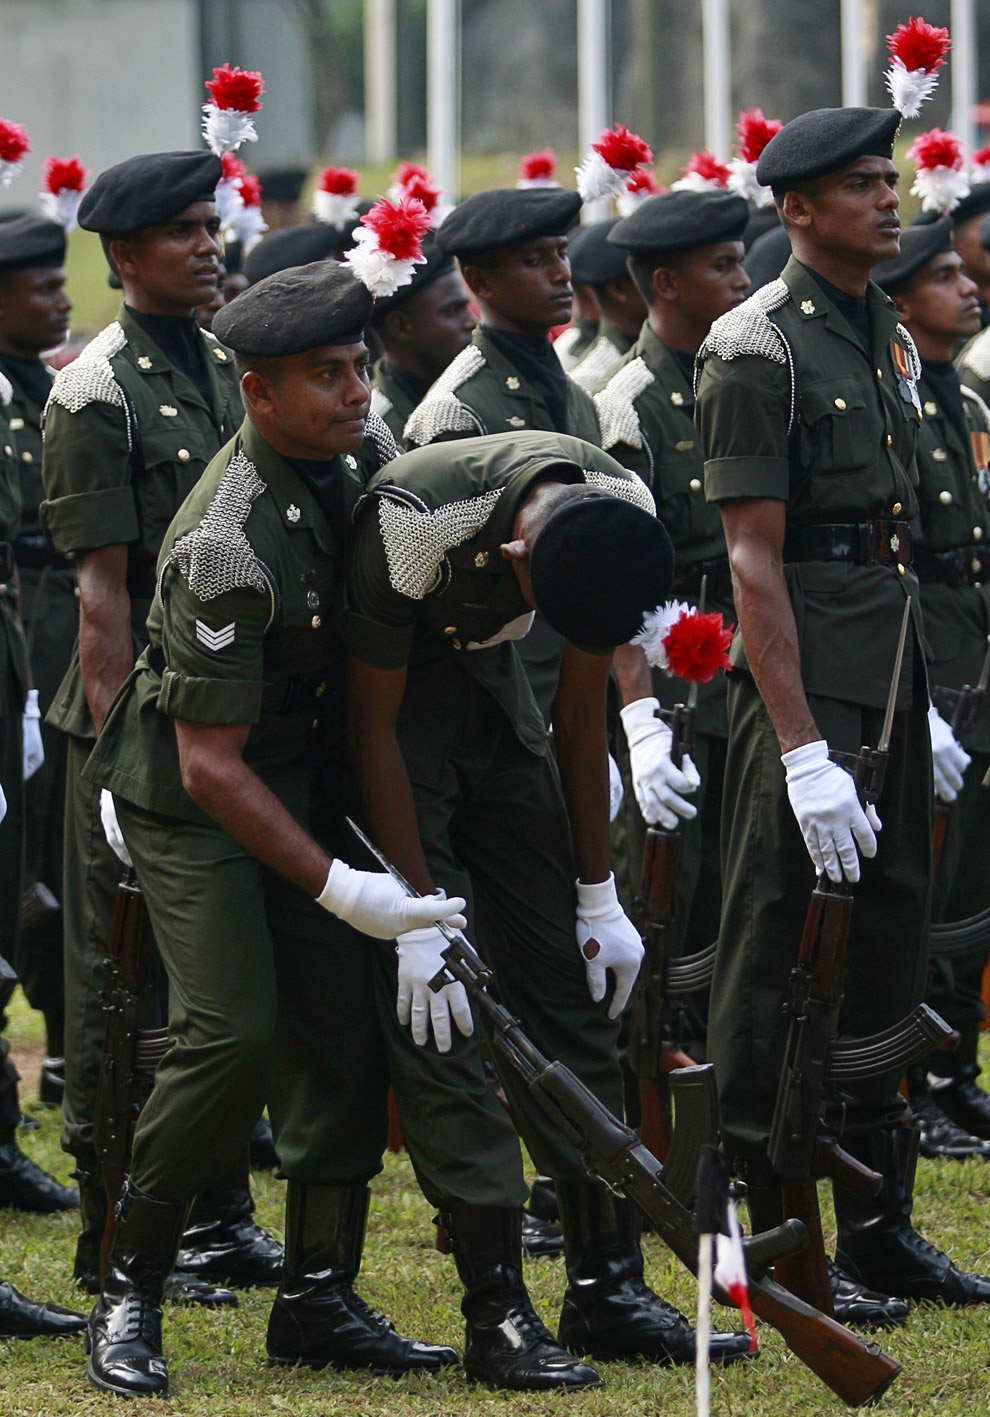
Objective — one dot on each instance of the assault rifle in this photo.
(132, 1049)
(963, 708)
(815, 1065)
(857, 1372)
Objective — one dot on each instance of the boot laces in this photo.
(138, 1318)
(528, 1324)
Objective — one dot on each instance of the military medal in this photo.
(981, 452)
(906, 386)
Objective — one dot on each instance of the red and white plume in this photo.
(538, 169)
(609, 163)
(918, 51)
(980, 166)
(246, 223)
(235, 97)
(335, 200)
(753, 132)
(14, 148)
(642, 185)
(940, 178)
(684, 642)
(228, 190)
(389, 244)
(730, 1270)
(64, 181)
(704, 173)
(411, 180)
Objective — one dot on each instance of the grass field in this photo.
(218, 1363)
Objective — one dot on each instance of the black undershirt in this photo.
(30, 375)
(945, 382)
(684, 362)
(326, 482)
(534, 357)
(181, 342)
(411, 385)
(854, 308)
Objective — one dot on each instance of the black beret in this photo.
(598, 565)
(674, 221)
(438, 264)
(282, 184)
(823, 141)
(31, 241)
(302, 308)
(298, 245)
(975, 204)
(594, 260)
(148, 190)
(507, 216)
(918, 245)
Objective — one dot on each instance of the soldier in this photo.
(620, 305)
(454, 548)
(422, 328)
(808, 410)
(222, 758)
(937, 301)
(973, 360)
(967, 218)
(580, 334)
(684, 253)
(130, 427)
(34, 317)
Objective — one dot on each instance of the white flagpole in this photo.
(703, 1327)
(593, 85)
(962, 55)
(853, 55)
(718, 78)
(380, 80)
(443, 87)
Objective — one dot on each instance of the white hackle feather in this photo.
(226, 128)
(379, 271)
(61, 206)
(8, 171)
(657, 625)
(940, 188)
(595, 179)
(909, 88)
(743, 182)
(335, 208)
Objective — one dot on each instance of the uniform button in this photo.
(183, 455)
(901, 570)
(945, 498)
(931, 408)
(840, 405)
(320, 690)
(879, 373)
(16, 424)
(316, 723)
(450, 630)
(481, 559)
(677, 398)
(939, 454)
(977, 533)
(974, 566)
(313, 599)
(889, 440)
(27, 457)
(75, 591)
(8, 450)
(3, 588)
(896, 508)
(695, 484)
(316, 622)
(456, 644)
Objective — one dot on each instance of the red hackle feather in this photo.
(642, 183)
(399, 228)
(919, 45)
(250, 190)
(707, 165)
(697, 646)
(621, 149)
(237, 89)
(936, 148)
(64, 174)
(14, 141)
(406, 171)
(534, 166)
(982, 156)
(423, 190)
(341, 181)
(753, 132)
(233, 168)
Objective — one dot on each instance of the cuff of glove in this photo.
(31, 709)
(337, 891)
(934, 715)
(808, 755)
(598, 899)
(639, 718)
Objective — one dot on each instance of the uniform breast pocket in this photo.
(308, 617)
(679, 486)
(174, 460)
(838, 428)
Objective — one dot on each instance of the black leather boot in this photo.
(878, 1246)
(609, 1310)
(317, 1319)
(960, 1096)
(543, 1200)
(51, 1084)
(24, 1186)
(124, 1339)
(506, 1343)
(859, 1307)
(939, 1138)
(541, 1238)
(223, 1245)
(21, 1317)
(264, 1157)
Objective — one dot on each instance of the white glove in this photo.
(615, 789)
(34, 749)
(420, 959)
(376, 905)
(3, 805)
(949, 759)
(607, 939)
(656, 782)
(828, 810)
(111, 827)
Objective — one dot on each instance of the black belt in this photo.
(32, 553)
(963, 565)
(7, 563)
(875, 543)
(687, 579)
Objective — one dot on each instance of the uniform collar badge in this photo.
(807, 307)
(292, 512)
(143, 362)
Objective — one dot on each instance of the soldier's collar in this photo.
(297, 507)
(508, 375)
(666, 368)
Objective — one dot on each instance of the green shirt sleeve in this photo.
(214, 653)
(741, 413)
(87, 474)
(379, 621)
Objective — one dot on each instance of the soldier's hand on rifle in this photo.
(111, 828)
(832, 821)
(376, 905)
(949, 759)
(420, 960)
(657, 783)
(607, 940)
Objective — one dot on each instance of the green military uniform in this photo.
(973, 363)
(792, 406)
(50, 611)
(429, 588)
(127, 435)
(601, 357)
(646, 411)
(952, 558)
(390, 401)
(482, 392)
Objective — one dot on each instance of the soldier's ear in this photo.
(794, 209)
(664, 284)
(476, 280)
(257, 392)
(902, 305)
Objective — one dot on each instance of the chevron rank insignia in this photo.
(215, 639)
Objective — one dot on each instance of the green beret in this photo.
(507, 216)
(148, 190)
(305, 307)
(31, 241)
(918, 245)
(437, 264)
(594, 260)
(675, 221)
(823, 141)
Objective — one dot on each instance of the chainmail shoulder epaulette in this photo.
(90, 377)
(634, 490)
(6, 390)
(596, 364)
(381, 435)
(911, 349)
(748, 330)
(974, 397)
(417, 540)
(617, 415)
(216, 556)
(380, 405)
(977, 357)
(442, 411)
(563, 345)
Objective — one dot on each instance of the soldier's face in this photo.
(173, 268)
(528, 289)
(434, 325)
(941, 301)
(34, 310)
(975, 256)
(316, 405)
(711, 281)
(851, 214)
